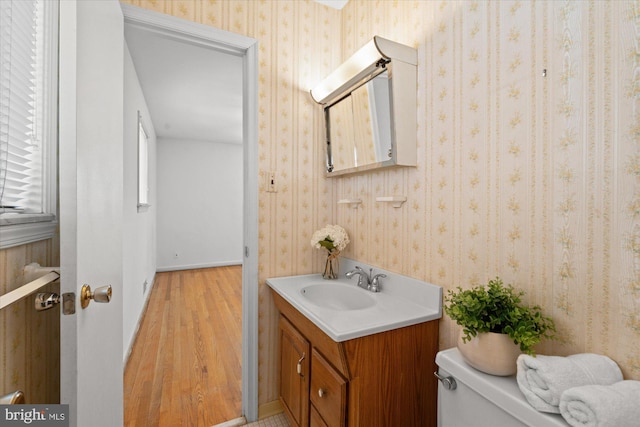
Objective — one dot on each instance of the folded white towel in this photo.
(602, 405)
(542, 379)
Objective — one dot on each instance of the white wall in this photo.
(139, 228)
(199, 204)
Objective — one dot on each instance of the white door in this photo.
(91, 207)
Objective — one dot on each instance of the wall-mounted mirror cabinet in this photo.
(369, 107)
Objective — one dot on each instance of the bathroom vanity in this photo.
(352, 365)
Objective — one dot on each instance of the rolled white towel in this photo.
(602, 405)
(542, 379)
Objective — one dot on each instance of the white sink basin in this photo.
(337, 296)
(344, 311)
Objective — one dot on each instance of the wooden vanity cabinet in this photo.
(380, 380)
(316, 420)
(295, 353)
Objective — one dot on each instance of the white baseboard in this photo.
(139, 322)
(195, 266)
(233, 423)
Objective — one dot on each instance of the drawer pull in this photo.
(321, 392)
(299, 365)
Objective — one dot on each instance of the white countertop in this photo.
(402, 301)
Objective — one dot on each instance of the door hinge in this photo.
(246, 251)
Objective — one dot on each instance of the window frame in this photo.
(22, 228)
(143, 165)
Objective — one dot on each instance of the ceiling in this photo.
(192, 92)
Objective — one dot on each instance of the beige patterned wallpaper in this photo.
(528, 154)
(29, 340)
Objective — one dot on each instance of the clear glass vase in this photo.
(331, 267)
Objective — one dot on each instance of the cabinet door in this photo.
(294, 373)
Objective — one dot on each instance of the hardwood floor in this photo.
(185, 366)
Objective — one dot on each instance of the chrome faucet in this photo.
(375, 282)
(363, 277)
(366, 281)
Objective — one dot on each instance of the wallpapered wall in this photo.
(528, 155)
(30, 340)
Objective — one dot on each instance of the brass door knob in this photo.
(15, 398)
(102, 294)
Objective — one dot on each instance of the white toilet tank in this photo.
(482, 400)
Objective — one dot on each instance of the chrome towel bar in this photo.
(16, 294)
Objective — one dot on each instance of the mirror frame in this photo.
(401, 62)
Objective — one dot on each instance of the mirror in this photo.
(369, 107)
(359, 127)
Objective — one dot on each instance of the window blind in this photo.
(20, 103)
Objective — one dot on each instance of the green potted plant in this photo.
(496, 325)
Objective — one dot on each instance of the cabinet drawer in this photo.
(315, 420)
(328, 391)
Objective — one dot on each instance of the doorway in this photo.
(219, 41)
(185, 365)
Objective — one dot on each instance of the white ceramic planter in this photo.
(491, 353)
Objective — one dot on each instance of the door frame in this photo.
(247, 49)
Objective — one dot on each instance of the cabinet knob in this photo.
(321, 392)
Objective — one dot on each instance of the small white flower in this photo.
(330, 237)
